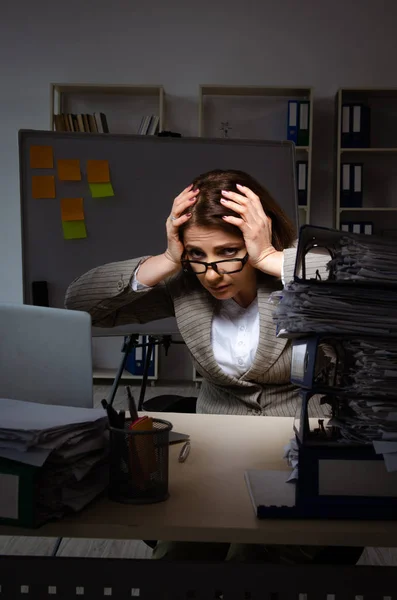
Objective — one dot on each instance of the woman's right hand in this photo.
(175, 247)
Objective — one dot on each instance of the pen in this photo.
(184, 453)
(131, 405)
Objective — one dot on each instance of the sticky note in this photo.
(43, 186)
(69, 170)
(74, 230)
(98, 171)
(41, 157)
(101, 190)
(72, 209)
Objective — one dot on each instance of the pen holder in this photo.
(139, 464)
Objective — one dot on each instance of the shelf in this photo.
(96, 88)
(366, 209)
(302, 207)
(370, 92)
(121, 103)
(368, 150)
(302, 148)
(111, 374)
(252, 90)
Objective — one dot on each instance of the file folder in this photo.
(301, 177)
(351, 193)
(360, 118)
(303, 123)
(135, 363)
(293, 121)
(346, 127)
(355, 126)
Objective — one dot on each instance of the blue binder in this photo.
(135, 363)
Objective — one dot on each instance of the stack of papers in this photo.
(358, 305)
(68, 444)
(303, 309)
(365, 258)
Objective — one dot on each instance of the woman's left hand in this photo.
(252, 221)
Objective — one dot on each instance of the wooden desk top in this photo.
(209, 500)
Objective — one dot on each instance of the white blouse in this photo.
(234, 332)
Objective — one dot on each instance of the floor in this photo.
(13, 545)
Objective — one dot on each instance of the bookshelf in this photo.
(255, 112)
(371, 197)
(124, 105)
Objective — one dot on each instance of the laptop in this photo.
(45, 355)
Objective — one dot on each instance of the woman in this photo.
(229, 247)
(235, 243)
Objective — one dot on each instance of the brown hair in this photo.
(208, 211)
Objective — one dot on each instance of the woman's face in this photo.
(210, 245)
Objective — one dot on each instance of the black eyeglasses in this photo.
(222, 267)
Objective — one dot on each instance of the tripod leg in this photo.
(129, 343)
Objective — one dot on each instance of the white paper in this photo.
(356, 228)
(9, 486)
(18, 415)
(391, 462)
(384, 447)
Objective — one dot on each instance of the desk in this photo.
(209, 501)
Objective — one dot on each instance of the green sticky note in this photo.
(101, 190)
(74, 230)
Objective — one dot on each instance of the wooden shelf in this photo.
(367, 208)
(368, 150)
(96, 88)
(358, 93)
(275, 95)
(60, 93)
(253, 90)
(381, 101)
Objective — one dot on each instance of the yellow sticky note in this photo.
(98, 171)
(43, 186)
(72, 209)
(101, 190)
(41, 157)
(69, 170)
(74, 230)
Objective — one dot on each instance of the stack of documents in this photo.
(68, 446)
(337, 309)
(358, 305)
(365, 258)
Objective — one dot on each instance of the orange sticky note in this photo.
(98, 171)
(69, 170)
(72, 209)
(43, 186)
(41, 157)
